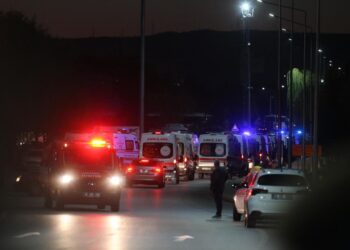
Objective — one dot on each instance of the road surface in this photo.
(176, 217)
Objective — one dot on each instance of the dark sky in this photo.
(81, 18)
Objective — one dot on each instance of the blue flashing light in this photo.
(282, 132)
(299, 132)
(247, 133)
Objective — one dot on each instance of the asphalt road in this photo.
(176, 217)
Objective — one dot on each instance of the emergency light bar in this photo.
(98, 143)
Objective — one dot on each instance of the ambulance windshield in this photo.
(157, 150)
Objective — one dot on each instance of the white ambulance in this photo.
(213, 146)
(187, 145)
(124, 141)
(161, 147)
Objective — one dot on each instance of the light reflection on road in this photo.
(97, 230)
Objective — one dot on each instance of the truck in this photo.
(84, 170)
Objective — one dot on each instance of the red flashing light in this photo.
(158, 170)
(175, 161)
(98, 143)
(65, 145)
(129, 170)
(158, 132)
(242, 156)
(185, 159)
(144, 161)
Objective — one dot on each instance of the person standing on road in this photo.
(217, 185)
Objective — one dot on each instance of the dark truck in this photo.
(84, 172)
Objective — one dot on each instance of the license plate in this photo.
(143, 171)
(282, 197)
(91, 195)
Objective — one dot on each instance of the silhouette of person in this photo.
(217, 185)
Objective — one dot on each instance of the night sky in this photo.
(84, 18)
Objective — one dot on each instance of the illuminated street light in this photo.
(339, 68)
(263, 88)
(320, 50)
(290, 39)
(282, 86)
(322, 80)
(259, 1)
(284, 29)
(271, 15)
(247, 9)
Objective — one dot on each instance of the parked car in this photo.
(268, 193)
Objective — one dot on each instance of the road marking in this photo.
(27, 235)
(183, 238)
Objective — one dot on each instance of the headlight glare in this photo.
(66, 179)
(115, 180)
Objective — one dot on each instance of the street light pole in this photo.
(279, 120)
(316, 83)
(142, 68)
(290, 139)
(247, 11)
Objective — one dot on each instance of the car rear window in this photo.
(282, 180)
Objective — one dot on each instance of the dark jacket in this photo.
(218, 179)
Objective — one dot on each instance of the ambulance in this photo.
(224, 147)
(187, 146)
(163, 148)
(124, 141)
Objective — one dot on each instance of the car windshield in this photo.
(213, 149)
(157, 150)
(88, 158)
(282, 180)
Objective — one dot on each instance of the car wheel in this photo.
(236, 216)
(177, 176)
(161, 184)
(249, 221)
(191, 176)
(115, 204)
(59, 204)
(101, 206)
(129, 184)
(48, 202)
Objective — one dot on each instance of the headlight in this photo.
(18, 179)
(115, 180)
(66, 179)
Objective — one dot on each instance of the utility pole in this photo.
(142, 68)
(290, 129)
(317, 58)
(279, 120)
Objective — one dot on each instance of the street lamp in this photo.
(247, 10)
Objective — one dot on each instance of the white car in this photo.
(268, 193)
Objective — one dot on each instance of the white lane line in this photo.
(183, 238)
(27, 235)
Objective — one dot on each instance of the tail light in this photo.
(185, 160)
(260, 155)
(242, 157)
(175, 161)
(129, 170)
(158, 170)
(258, 191)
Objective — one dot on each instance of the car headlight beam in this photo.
(116, 180)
